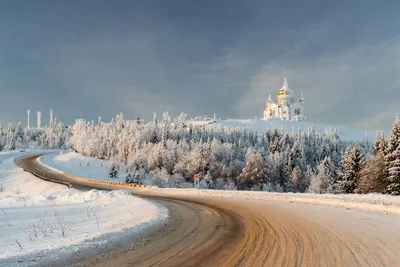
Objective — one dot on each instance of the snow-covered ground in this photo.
(15, 182)
(344, 132)
(76, 164)
(42, 222)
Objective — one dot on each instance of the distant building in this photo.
(286, 108)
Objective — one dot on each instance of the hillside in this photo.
(345, 133)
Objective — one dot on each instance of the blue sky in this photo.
(87, 58)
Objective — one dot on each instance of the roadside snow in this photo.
(15, 181)
(42, 222)
(76, 164)
(370, 202)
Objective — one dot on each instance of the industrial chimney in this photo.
(28, 112)
(39, 115)
(51, 116)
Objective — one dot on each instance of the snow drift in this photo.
(42, 222)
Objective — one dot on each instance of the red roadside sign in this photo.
(196, 176)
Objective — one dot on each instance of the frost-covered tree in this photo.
(297, 182)
(55, 136)
(323, 181)
(394, 173)
(182, 148)
(373, 178)
(160, 177)
(132, 175)
(352, 165)
(253, 174)
(381, 144)
(294, 157)
(393, 141)
(199, 158)
(113, 172)
(392, 159)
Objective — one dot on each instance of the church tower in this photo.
(285, 94)
(286, 108)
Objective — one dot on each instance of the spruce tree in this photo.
(128, 178)
(297, 181)
(381, 144)
(324, 180)
(294, 157)
(373, 178)
(394, 140)
(113, 172)
(392, 160)
(352, 164)
(394, 173)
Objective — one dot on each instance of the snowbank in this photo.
(78, 165)
(42, 222)
(15, 181)
(370, 202)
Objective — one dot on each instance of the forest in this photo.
(167, 152)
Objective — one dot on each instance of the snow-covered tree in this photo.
(182, 148)
(394, 173)
(324, 180)
(373, 177)
(352, 165)
(199, 158)
(297, 182)
(392, 159)
(160, 177)
(113, 172)
(253, 174)
(381, 144)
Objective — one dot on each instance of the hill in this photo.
(345, 133)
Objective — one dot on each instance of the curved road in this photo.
(226, 232)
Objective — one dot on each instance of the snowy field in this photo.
(76, 164)
(41, 222)
(345, 133)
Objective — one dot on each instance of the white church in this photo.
(286, 108)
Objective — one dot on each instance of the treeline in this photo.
(381, 172)
(15, 137)
(168, 153)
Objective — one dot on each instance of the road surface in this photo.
(226, 232)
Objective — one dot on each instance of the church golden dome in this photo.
(285, 90)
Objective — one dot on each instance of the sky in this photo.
(96, 58)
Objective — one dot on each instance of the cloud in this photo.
(357, 87)
(224, 59)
